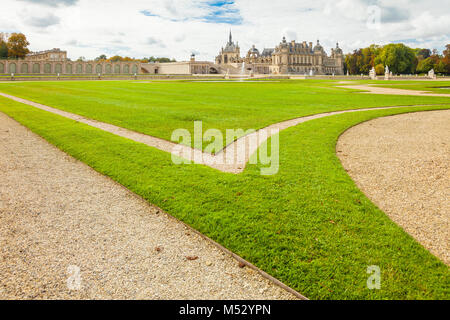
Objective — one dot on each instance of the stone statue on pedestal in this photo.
(373, 74)
(387, 74)
(431, 74)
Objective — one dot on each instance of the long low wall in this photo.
(68, 67)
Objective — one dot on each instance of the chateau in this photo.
(286, 58)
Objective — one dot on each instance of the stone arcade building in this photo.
(55, 62)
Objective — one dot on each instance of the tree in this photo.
(399, 58)
(3, 50)
(115, 59)
(440, 67)
(425, 65)
(3, 45)
(447, 51)
(101, 57)
(81, 59)
(379, 69)
(423, 53)
(161, 60)
(446, 59)
(353, 61)
(18, 45)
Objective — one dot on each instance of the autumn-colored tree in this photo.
(17, 45)
(446, 59)
(353, 61)
(379, 69)
(447, 51)
(115, 59)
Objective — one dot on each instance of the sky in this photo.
(178, 28)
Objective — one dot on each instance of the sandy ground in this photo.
(379, 90)
(58, 215)
(232, 159)
(402, 163)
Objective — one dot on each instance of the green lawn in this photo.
(308, 225)
(158, 108)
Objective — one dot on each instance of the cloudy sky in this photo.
(176, 28)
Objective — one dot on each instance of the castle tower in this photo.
(230, 54)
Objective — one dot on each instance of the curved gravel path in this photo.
(402, 163)
(57, 215)
(373, 89)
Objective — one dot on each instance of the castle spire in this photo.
(231, 38)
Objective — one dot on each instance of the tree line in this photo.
(400, 59)
(117, 58)
(15, 46)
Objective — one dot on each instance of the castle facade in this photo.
(286, 58)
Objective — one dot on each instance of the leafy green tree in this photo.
(3, 50)
(101, 57)
(399, 58)
(423, 53)
(440, 67)
(353, 62)
(425, 65)
(161, 60)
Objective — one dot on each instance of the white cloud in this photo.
(176, 28)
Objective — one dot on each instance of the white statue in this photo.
(387, 74)
(373, 74)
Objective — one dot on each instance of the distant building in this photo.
(286, 58)
(55, 62)
(230, 54)
(49, 55)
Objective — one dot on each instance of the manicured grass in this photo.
(309, 225)
(158, 108)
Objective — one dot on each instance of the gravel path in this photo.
(402, 163)
(57, 215)
(402, 92)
